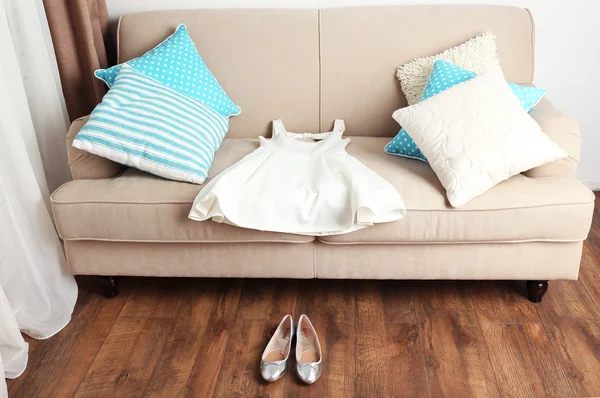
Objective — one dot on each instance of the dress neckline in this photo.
(287, 136)
(338, 130)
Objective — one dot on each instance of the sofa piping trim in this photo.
(60, 203)
(351, 243)
(119, 40)
(516, 241)
(320, 72)
(532, 44)
(303, 242)
(314, 247)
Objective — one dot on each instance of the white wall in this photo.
(567, 52)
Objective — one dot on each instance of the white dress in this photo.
(300, 187)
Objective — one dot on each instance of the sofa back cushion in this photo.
(362, 47)
(309, 67)
(267, 61)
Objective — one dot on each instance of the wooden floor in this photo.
(203, 337)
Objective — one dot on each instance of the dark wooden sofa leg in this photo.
(536, 290)
(108, 286)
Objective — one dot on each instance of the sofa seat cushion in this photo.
(557, 209)
(139, 207)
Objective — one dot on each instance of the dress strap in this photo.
(339, 125)
(278, 128)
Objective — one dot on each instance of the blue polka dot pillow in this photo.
(176, 63)
(443, 76)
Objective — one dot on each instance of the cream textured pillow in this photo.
(476, 55)
(475, 135)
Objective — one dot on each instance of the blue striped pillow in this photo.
(142, 123)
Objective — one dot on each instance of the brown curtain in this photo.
(82, 42)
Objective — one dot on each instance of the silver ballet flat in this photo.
(309, 359)
(273, 363)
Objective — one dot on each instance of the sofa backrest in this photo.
(309, 67)
(267, 61)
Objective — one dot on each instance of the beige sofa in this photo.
(309, 67)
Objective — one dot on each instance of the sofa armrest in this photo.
(84, 165)
(564, 131)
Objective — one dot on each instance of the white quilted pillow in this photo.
(476, 55)
(475, 135)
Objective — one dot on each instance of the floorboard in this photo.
(58, 365)
(204, 374)
(125, 362)
(389, 361)
(199, 338)
(589, 273)
(326, 301)
(457, 362)
(263, 304)
(524, 361)
(239, 375)
(268, 299)
(503, 302)
(204, 337)
(157, 298)
(572, 322)
(331, 307)
(577, 345)
(385, 301)
(596, 218)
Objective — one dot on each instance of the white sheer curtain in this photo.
(37, 295)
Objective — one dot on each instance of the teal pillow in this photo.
(176, 63)
(142, 123)
(444, 75)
